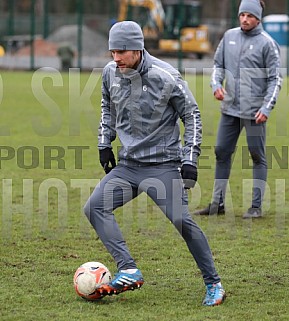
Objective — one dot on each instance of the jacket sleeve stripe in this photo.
(165, 71)
(278, 77)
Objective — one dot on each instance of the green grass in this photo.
(47, 237)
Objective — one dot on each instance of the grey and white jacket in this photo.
(250, 64)
(143, 108)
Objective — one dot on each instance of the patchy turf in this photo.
(49, 164)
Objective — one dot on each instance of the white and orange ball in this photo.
(89, 277)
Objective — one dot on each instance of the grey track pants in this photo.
(163, 184)
(228, 134)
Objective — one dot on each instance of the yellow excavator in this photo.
(169, 26)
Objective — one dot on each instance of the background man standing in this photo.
(249, 60)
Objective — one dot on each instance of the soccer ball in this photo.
(88, 278)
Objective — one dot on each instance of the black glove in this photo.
(190, 175)
(106, 156)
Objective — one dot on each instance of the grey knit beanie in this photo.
(126, 35)
(251, 6)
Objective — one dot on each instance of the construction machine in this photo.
(169, 26)
(149, 14)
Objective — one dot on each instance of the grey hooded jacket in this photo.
(143, 108)
(250, 63)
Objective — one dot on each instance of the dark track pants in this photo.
(228, 133)
(164, 185)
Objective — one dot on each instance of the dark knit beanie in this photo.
(126, 35)
(251, 6)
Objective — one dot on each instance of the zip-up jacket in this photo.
(250, 63)
(143, 108)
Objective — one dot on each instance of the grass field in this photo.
(49, 164)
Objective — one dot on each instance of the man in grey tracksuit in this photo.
(143, 99)
(249, 60)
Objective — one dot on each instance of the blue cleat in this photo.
(215, 294)
(122, 282)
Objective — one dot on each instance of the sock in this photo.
(129, 271)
